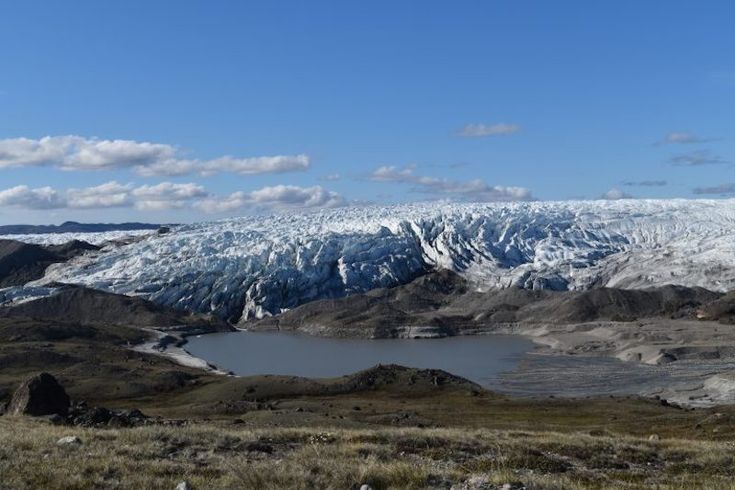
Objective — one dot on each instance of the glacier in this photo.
(250, 267)
(94, 237)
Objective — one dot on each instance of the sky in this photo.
(177, 111)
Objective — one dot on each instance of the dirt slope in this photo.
(23, 262)
(444, 301)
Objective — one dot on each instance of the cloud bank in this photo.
(722, 189)
(108, 195)
(484, 130)
(26, 198)
(147, 159)
(166, 196)
(614, 194)
(682, 138)
(645, 183)
(474, 190)
(274, 197)
(696, 159)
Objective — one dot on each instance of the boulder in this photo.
(516, 485)
(69, 441)
(85, 416)
(94, 416)
(39, 395)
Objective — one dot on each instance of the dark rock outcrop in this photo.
(722, 310)
(39, 395)
(82, 415)
(71, 249)
(84, 306)
(443, 302)
(395, 375)
(24, 262)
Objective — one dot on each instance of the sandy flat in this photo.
(686, 361)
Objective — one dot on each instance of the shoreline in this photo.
(605, 348)
(170, 346)
(692, 360)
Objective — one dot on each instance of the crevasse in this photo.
(255, 266)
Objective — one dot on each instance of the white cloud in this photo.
(22, 152)
(111, 154)
(148, 159)
(26, 198)
(77, 153)
(391, 173)
(171, 167)
(645, 183)
(242, 166)
(696, 159)
(258, 165)
(683, 138)
(722, 189)
(332, 177)
(168, 190)
(615, 194)
(294, 196)
(166, 195)
(235, 201)
(473, 190)
(483, 130)
(108, 195)
(274, 197)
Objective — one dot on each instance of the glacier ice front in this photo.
(255, 266)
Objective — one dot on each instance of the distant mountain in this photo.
(74, 227)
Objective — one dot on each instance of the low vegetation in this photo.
(386, 427)
(209, 455)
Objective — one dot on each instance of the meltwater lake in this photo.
(482, 359)
(504, 363)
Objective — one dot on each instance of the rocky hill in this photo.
(84, 306)
(23, 262)
(447, 303)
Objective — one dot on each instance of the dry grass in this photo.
(211, 456)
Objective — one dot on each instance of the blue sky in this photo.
(188, 110)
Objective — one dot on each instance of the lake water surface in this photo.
(504, 363)
(482, 359)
